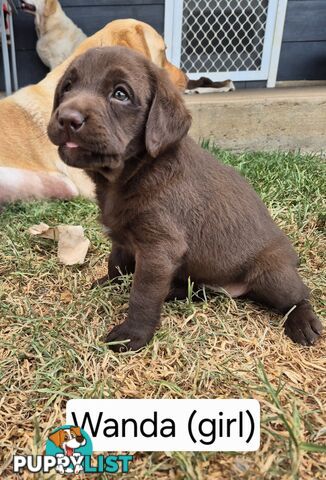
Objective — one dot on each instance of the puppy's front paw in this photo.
(302, 325)
(129, 336)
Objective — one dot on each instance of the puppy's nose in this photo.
(71, 119)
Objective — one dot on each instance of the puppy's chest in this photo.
(116, 218)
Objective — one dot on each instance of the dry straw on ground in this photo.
(52, 324)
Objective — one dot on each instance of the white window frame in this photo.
(271, 50)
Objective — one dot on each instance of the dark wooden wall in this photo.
(303, 54)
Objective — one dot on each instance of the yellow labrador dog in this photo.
(58, 36)
(29, 163)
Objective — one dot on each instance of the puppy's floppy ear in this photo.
(168, 120)
(61, 83)
(50, 7)
(56, 99)
(57, 437)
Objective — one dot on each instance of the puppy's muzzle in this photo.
(70, 120)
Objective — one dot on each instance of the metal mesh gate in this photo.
(219, 37)
(223, 36)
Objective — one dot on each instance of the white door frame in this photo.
(271, 50)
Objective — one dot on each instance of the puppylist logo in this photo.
(69, 450)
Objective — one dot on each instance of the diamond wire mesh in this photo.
(223, 35)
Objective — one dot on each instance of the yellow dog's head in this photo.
(40, 7)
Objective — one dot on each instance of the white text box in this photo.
(168, 425)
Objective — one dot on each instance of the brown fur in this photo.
(172, 210)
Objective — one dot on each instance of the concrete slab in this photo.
(264, 119)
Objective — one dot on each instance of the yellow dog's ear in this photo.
(50, 7)
(57, 437)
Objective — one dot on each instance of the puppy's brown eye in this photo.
(67, 87)
(121, 95)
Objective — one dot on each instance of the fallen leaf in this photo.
(43, 230)
(72, 243)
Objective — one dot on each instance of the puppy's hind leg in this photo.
(274, 281)
(120, 262)
(179, 290)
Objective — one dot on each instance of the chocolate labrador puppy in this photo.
(171, 210)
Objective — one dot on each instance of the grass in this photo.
(52, 325)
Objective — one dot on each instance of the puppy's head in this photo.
(39, 7)
(112, 105)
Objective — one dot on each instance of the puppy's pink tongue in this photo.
(71, 145)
